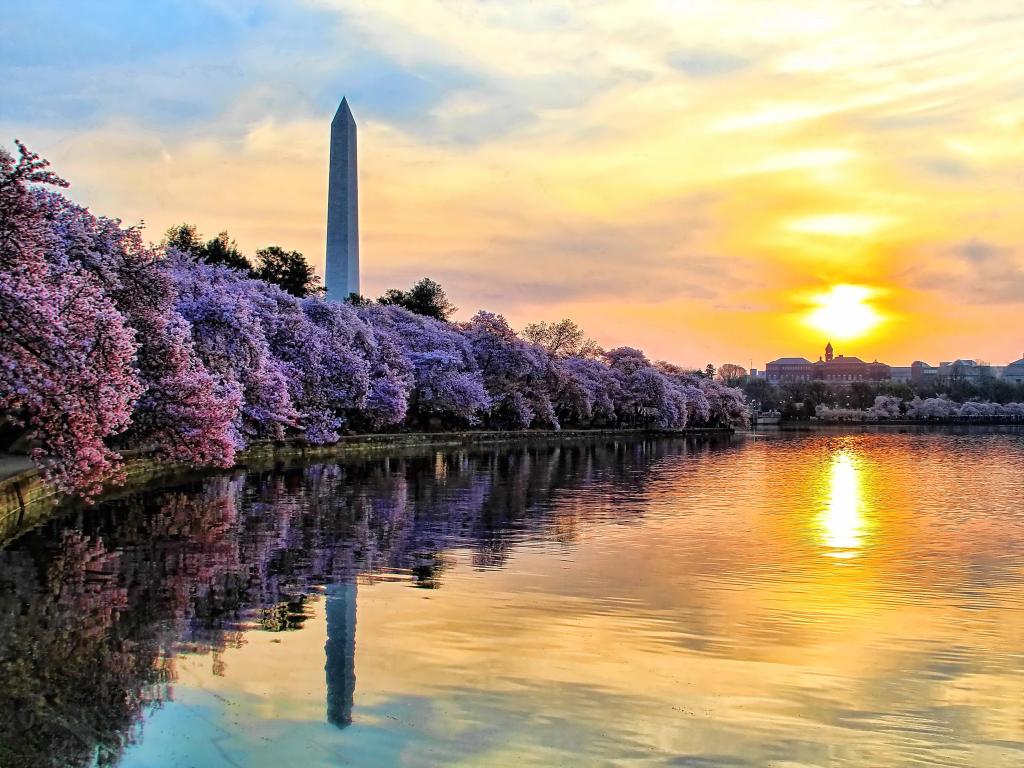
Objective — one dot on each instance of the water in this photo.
(812, 600)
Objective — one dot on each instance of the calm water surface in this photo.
(810, 600)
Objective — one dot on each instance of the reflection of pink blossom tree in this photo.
(89, 623)
(95, 609)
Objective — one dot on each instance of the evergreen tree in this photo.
(287, 269)
(220, 250)
(425, 298)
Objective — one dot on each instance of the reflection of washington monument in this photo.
(341, 652)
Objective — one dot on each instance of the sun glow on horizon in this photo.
(844, 312)
(839, 224)
(641, 169)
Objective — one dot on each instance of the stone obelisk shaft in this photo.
(342, 271)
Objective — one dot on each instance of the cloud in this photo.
(946, 167)
(982, 254)
(707, 62)
(572, 260)
(974, 272)
(665, 166)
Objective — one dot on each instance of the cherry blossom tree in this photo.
(978, 410)
(709, 403)
(325, 375)
(106, 343)
(391, 378)
(351, 375)
(585, 391)
(885, 407)
(183, 412)
(66, 353)
(562, 339)
(516, 374)
(646, 394)
(932, 408)
(445, 376)
(728, 405)
(223, 309)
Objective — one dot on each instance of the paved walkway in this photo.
(12, 465)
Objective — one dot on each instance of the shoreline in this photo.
(27, 500)
(832, 423)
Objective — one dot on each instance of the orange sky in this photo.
(680, 176)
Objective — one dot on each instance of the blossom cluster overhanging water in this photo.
(107, 343)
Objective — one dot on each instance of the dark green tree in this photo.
(357, 300)
(900, 389)
(861, 394)
(223, 251)
(287, 269)
(761, 391)
(185, 238)
(425, 298)
(220, 250)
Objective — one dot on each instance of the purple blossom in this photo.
(106, 342)
(516, 374)
(66, 353)
(446, 379)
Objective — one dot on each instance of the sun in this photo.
(844, 312)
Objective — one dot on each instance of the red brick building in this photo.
(837, 370)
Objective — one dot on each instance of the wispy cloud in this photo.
(647, 168)
(705, 62)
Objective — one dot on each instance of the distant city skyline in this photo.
(838, 368)
(711, 182)
(853, 351)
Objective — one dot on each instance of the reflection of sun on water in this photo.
(842, 522)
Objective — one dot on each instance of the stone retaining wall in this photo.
(26, 499)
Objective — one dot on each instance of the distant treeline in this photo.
(797, 400)
(941, 409)
(191, 351)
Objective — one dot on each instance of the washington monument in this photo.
(342, 271)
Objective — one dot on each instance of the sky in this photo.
(691, 178)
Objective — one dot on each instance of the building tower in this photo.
(341, 652)
(828, 352)
(341, 276)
